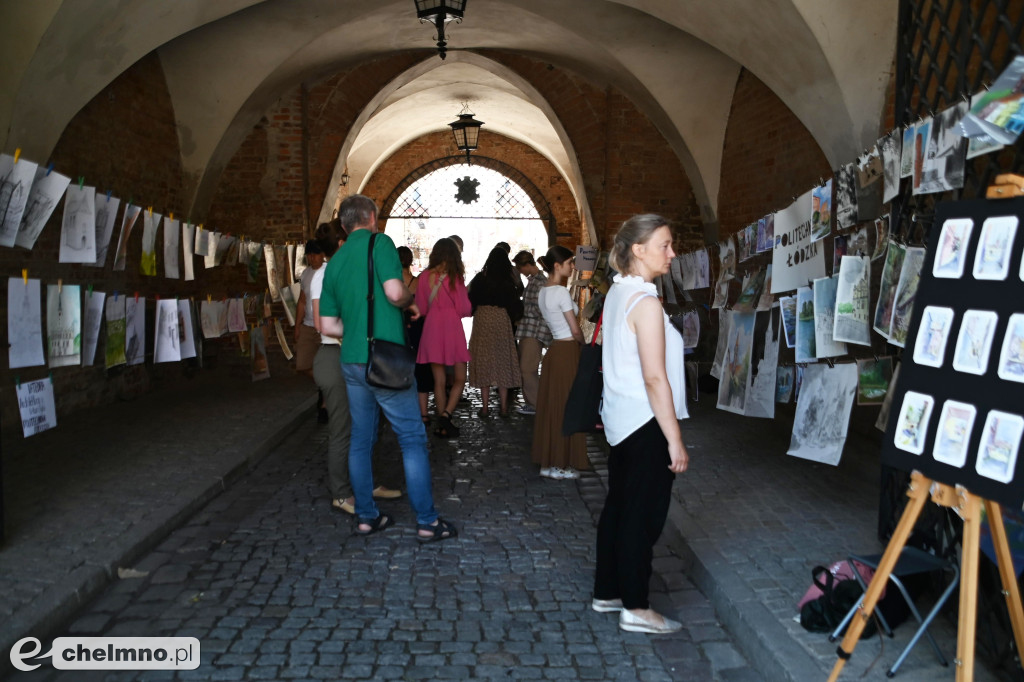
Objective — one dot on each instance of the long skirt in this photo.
(550, 447)
(493, 348)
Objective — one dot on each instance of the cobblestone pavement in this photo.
(275, 586)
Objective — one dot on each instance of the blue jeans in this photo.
(403, 412)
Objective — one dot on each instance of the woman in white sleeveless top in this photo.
(641, 423)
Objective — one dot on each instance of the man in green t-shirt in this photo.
(343, 313)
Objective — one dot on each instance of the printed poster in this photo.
(24, 323)
(15, 186)
(64, 324)
(796, 258)
(78, 228)
(823, 412)
(36, 406)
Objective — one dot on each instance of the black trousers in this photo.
(639, 493)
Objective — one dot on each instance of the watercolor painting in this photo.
(945, 155)
(750, 292)
(873, 378)
(691, 327)
(806, 348)
(882, 422)
(907, 153)
(846, 196)
(115, 314)
(823, 413)
(1011, 358)
(956, 420)
(992, 261)
(78, 228)
(764, 359)
(887, 288)
(821, 211)
(825, 291)
(724, 321)
(24, 323)
(953, 242)
(912, 424)
(788, 306)
(150, 225)
(784, 384)
(236, 315)
(839, 249)
(735, 380)
(765, 301)
(906, 292)
(282, 340)
(1000, 442)
(64, 324)
(932, 336)
(881, 237)
(852, 323)
(974, 344)
(890, 149)
(209, 317)
(921, 133)
(201, 246)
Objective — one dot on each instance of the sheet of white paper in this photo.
(47, 190)
(24, 323)
(36, 406)
(188, 236)
(823, 412)
(78, 229)
(172, 235)
(15, 186)
(300, 261)
(91, 318)
(135, 330)
(166, 339)
(150, 224)
(202, 243)
(106, 216)
(212, 239)
(128, 220)
(185, 330)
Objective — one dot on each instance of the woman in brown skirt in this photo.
(496, 307)
(558, 456)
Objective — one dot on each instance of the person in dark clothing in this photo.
(496, 307)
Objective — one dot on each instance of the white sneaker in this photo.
(633, 623)
(526, 409)
(568, 472)
(548, 472)
(606, 605)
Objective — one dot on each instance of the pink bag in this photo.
(841, 571)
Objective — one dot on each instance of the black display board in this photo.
(985, 391)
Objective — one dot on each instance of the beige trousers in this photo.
(529, 362)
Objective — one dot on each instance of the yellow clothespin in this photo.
(24, 275)
(150, 209)
(209, 298)
(17, 154)
(170, 216)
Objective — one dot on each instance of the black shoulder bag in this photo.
(388, 364)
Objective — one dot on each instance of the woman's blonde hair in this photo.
(636, 230)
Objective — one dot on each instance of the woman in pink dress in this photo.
(441, 297)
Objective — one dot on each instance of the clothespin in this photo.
(60, 285)
(115, 295)
(51, 377)
(875, 355)
(81, 181)
(17, 154)
(130, 201)
(831, 363)
(150, 211)
(157, 297)
(109, 192)
(136, 297)
(89, 290)
(170, 216)
(17, 379)
(24, 275)
(209, 298)
(49, 168)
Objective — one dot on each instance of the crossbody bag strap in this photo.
(597, 330)
(369, 289)
(437, 285)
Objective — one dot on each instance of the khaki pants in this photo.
(529, 362)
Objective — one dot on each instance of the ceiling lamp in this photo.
(439, 13)
(466, 131)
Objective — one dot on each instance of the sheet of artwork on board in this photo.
(47, 190)
(735, 381)
(78, 227)
(24, 323)
(15, 185)
(64, 324)
(823, 412)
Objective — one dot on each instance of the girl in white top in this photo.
(641, 422)
(558, 456)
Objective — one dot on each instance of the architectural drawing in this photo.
(853, 296)
(906, 292)
(24, 323)
(764, 361)
(933, 335)
(135, 330)
(106, 216)
(93, 316)
(825, 290)
(821, 211)
(47, 189)
(823, 412)
(974, 343)
(166, 339)
(894, 258)
(15, 185)
(735, 381)
(64, 324)
(188, 236)
(992, 259)
(1000, 442)
(131, 214)
(1011, 358)
(258, 354)
(953, 242)
(78, 229)
(236, 315)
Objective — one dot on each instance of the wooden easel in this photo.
(968, 506)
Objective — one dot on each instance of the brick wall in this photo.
(124, 141)
(768, 157)
(537, 168)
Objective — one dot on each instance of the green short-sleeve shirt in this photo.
(344, 293)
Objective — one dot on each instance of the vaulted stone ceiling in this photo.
(227, 61)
